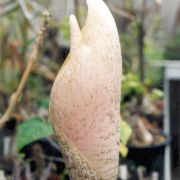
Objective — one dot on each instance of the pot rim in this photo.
(159, 145)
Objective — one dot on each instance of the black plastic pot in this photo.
(151, 157)
(50, 150)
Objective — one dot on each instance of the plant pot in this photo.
(151, 157)
(50, 153)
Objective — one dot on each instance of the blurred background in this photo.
(150, 104)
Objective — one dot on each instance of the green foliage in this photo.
(131, 86)
(153, 53)
(128, 5)
(156, 94)
(9, 79)
(64, 174)
(172, 49)
(125, 132)
(65, 28)
(32, 129)
(128, 38)
(13, 36)
(44, 103)
(36, 87)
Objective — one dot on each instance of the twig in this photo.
(34, 57)
(10, 8)
(121, 12)
(45, 72)
(23, 6)
(26, 13)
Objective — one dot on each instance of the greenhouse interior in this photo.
(90, 90)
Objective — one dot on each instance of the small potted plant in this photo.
(147, 142)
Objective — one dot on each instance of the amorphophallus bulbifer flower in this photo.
(85, 97)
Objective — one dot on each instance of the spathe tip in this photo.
(75, 31)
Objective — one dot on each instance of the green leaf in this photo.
(31, 130)
(65, 29)
(157, 94)
(123, 150)
(125, 132)
(20, 156)
(44, 103)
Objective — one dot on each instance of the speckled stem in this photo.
(77, 165)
